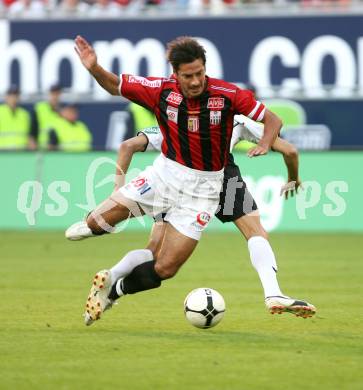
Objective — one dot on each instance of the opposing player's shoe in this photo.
(79, 231)
(281, 305)
(98, 301)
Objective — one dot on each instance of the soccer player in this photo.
(247, 221)
(195, 115)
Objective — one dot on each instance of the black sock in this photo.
(143, 277)
(113, 295)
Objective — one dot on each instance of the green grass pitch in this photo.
(145, 342)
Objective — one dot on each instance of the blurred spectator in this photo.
(72, 7)
(7, 3)
(151, 3)
(105, 9)
(27, 8)
(140, 118)
(213, 6)
(70, 134)
(44, 116)
(123, 3)
(14, 122)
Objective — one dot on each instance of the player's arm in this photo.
(272, 126)
(291, 158)
(107, 80)
(246, 104)
(125, 153)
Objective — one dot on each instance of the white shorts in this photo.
(188, 197)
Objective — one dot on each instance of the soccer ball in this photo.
(204, 307)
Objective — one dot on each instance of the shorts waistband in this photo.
(190, 171)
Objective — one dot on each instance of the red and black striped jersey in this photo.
(197, 132)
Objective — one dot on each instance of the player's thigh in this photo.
(250, 225)
(174, 252)
(156, 237)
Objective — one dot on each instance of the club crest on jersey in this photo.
(215, 117)
(174, 98)
(172, 113)
(215, 103)
(193, 124)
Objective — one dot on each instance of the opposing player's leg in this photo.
(237, 205)
(264, 262)
(261, 253)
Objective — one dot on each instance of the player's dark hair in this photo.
(184, 50)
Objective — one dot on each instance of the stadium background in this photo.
(312, 56)
(316, 61)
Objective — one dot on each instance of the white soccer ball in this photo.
(204, 307)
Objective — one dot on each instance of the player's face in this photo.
(191, 78)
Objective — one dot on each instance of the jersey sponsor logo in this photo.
(203, 218)
(174, 98)
(151, 130)
(172, 113)
(193, 124)
(145, 82)
(215, 103)
(215, 117)
(141, 185)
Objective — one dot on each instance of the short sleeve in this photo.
(236, 135)
(144, 91)
(154, 137)
(246, 104)
(248, 129)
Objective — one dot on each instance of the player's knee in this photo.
(165, 271)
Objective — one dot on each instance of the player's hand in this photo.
(258, 150)
(85, 52)
(291, 187)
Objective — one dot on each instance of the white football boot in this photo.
(79, 231)
(281, 305)
(98, 300)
